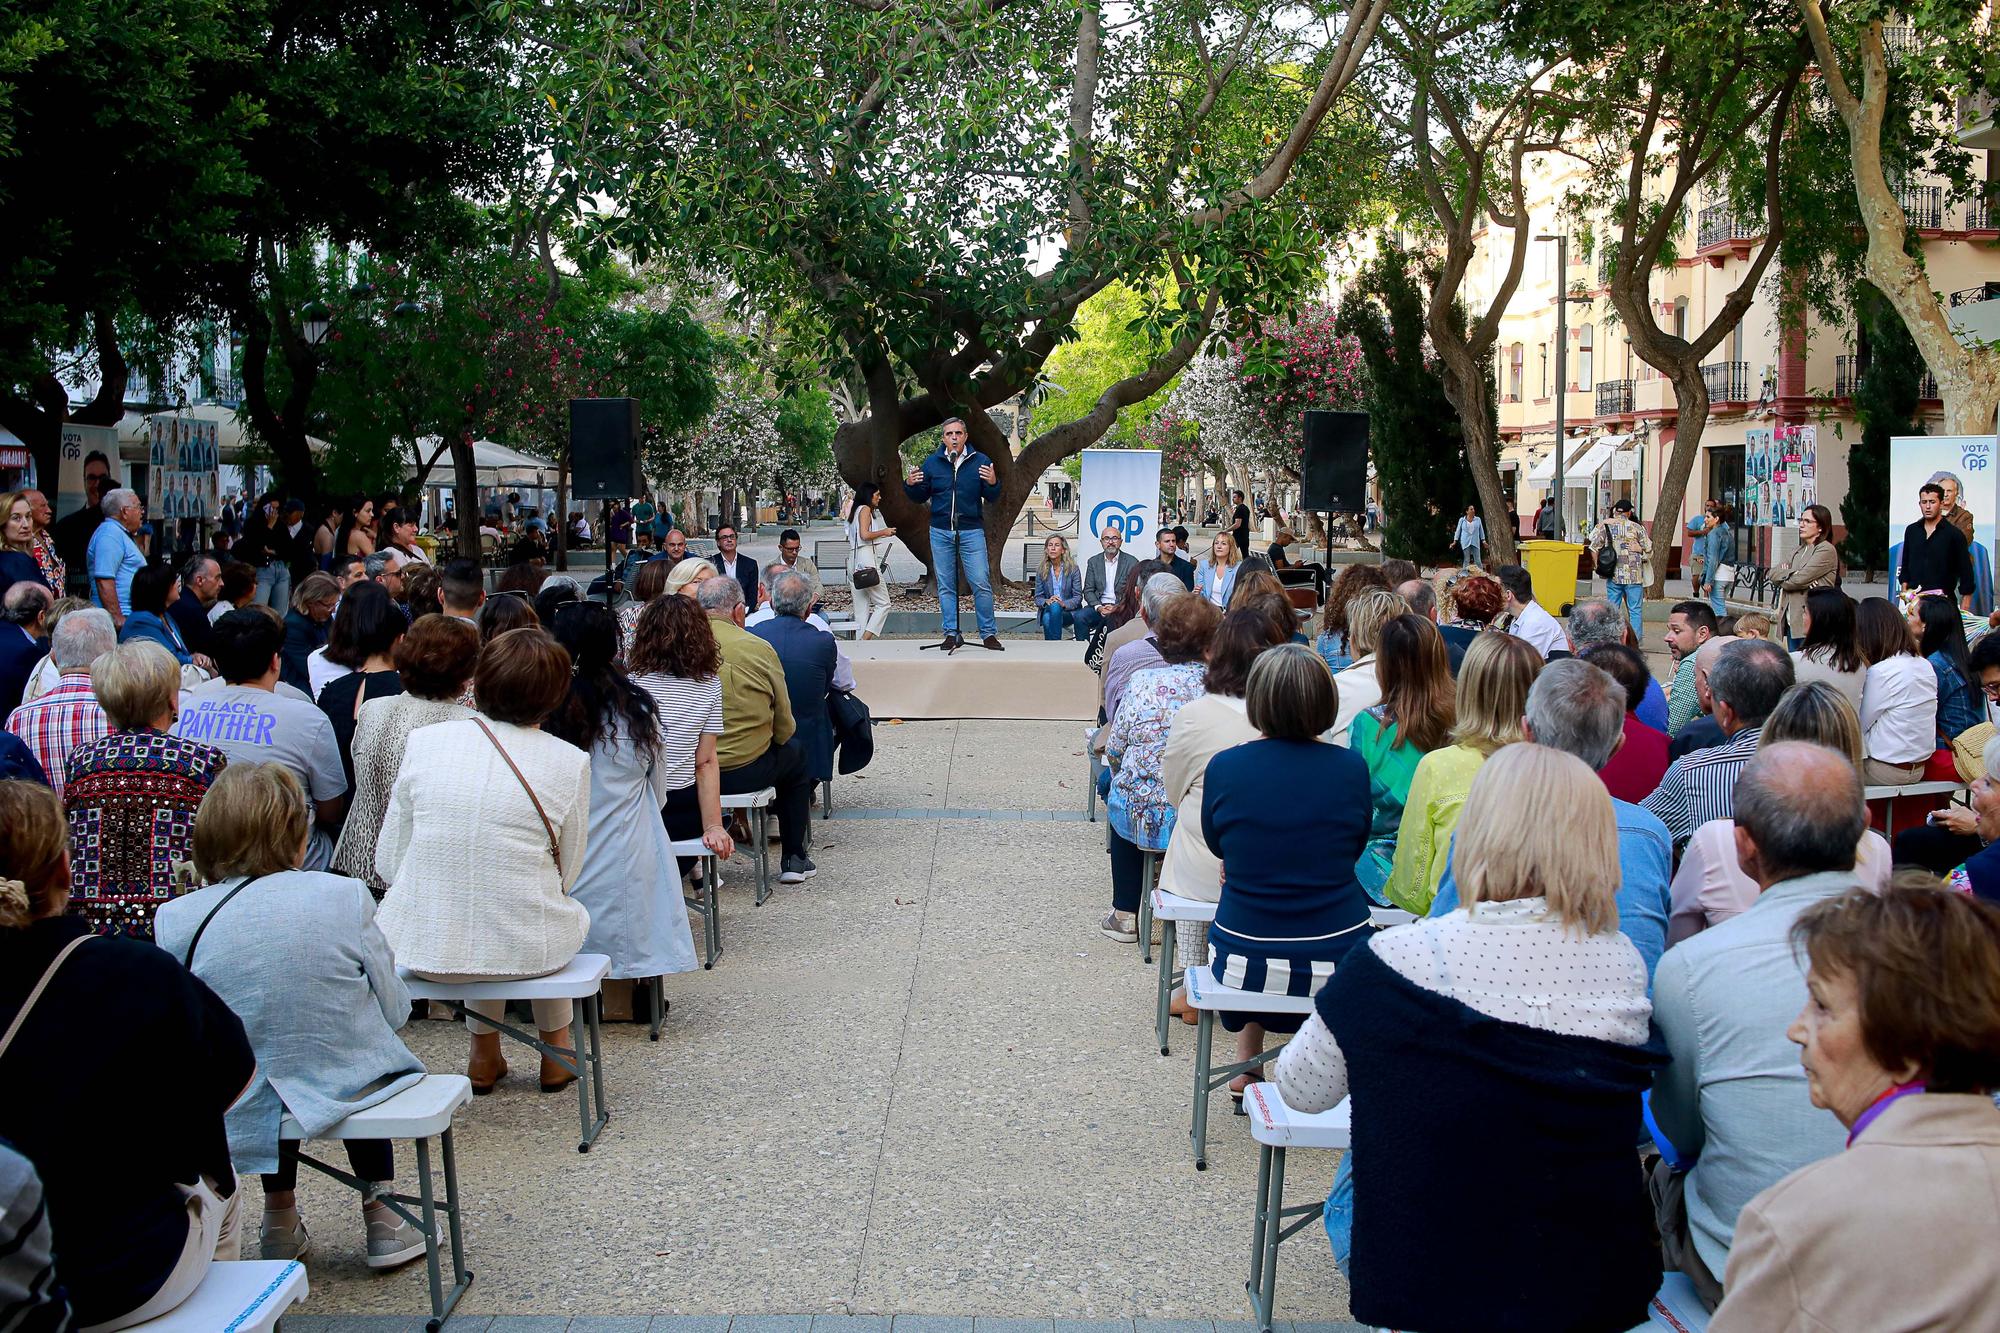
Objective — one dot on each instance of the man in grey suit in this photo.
(1104, 578)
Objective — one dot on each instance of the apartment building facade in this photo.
(1781, 417)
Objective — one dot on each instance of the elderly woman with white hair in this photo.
(1524, 1015)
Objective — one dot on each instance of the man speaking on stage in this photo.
(960, 483)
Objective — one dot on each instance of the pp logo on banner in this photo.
(1130, 520)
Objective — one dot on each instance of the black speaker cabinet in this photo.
(1336, 463)
(604, 449)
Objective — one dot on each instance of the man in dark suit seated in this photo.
(201, 584)
(24, 638)
(809, 657)
(729, 561)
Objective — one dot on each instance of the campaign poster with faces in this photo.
(184, 472)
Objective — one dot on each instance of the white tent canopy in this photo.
(1586, 458)
(497, 464)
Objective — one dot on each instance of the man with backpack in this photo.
(1623, 549)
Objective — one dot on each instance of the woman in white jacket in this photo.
(483, 841)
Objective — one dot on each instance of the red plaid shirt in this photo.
(55, 724)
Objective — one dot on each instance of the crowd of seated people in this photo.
(1679, 933)
(210, 876)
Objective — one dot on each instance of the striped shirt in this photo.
(1701, 786)
(1682, 704)
(55, 724)
(689, 709)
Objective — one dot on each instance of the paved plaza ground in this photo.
(922, 1084)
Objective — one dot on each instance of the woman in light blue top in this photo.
(1058, 590)
(1470, 536)
(296, 954)
(1215, 577)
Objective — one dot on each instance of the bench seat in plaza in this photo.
(247, 1296)
(579, 981)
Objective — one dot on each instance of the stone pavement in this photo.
(921, 1084)
(902, 1323)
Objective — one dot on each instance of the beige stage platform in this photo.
(1033, 680)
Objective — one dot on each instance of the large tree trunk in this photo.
(1690, 420)
(282, 428)
(1470, 391)
(38, 418)
(1968, 377)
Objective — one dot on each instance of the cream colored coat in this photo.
(1809, 567)
(1202, 729)
(472, 886)
(1894, 1235)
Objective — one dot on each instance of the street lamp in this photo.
(1562, 362)
(315, 322)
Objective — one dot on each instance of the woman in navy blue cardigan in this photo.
(1287, 815)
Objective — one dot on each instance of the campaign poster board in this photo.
(78, 442)
(185, 468)
(1121, 488)
(1973, 461)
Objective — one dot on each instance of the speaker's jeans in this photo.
(965, 549)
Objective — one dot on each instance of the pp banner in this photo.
(1121, 489)
(1964, 467)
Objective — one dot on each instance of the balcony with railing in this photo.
(1985, 291)
(1923, 205)
(1727, 381)
(1846, 375)
(1979, 215)
(226, 389)
(1614, 398)
(1717, 229)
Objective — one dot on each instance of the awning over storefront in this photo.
(497, 465)
(1586, 459)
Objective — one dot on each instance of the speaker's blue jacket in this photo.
(958, 500)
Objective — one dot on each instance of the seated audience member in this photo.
(1423, 601)
(31, 1291)
(242, 715)
(347, 570)
(131, 796)
(434, 665)
(1138, 810)
(649, 583)
(1702, 732)
(1215, 577)
(1291, 909)
(811, 661)
(558, 590)
(1398, 570)
(1492, 689)
(1979, 873)
(675, 659)
(201, 586)
(1640, 761)
(1594, 621)
(522, 577)
(759, 747)
(1748, 679)
(1752, 625)
(1828, 649)
(1528, 619)
(483, 842)
(1580, 712)
(1360, 683)
(1332, 641)
(1205, 726)
(1476, 602)
(461, 590)
(1418, 707)
(1711, 885)
(1871, 1237)
(368, 626)
(1689, 625)
(297, 956)
(629, 880)
(24, 639)
(1941, 642)
(154, 589)
(57, 723)
(1899, 697)
(506, 611)
(42, 677)
(1447, 1028)
(122, 1034)
(1147, 596)
(421, 590)
(1729, 1101)
(686, 576)
(306, 628)
(237, 589)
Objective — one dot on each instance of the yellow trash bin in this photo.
(1551, 568)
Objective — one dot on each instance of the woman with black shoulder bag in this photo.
(869, 564)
